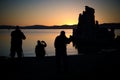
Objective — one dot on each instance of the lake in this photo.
(32, 35)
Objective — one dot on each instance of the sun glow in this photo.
(71, 22)
(55, 12)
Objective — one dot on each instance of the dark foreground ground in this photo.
(80, 67)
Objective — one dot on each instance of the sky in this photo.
(56, 12)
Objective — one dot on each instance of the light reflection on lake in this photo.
(32, 35)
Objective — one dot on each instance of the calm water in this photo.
(32, 35)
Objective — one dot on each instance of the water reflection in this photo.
(32, 35)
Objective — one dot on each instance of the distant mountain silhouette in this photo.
(6, 27)
(39, 27)
(111, 25)
(106, 25)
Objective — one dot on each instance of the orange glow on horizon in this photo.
(51, 21)
(55, 12)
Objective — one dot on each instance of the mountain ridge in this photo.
(106, 25)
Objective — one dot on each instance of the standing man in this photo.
(60, 44)
(16, 42)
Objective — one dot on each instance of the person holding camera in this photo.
(60, 45)
(17, 36)
(40, 49)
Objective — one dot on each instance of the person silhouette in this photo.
(61, 51)
(40, 49)
(16, 42)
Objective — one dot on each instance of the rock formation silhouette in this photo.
(88, 37)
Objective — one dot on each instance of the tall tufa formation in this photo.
(88, 37)
(86, 24)
(85, 33)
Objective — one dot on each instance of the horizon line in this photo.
(54, 25)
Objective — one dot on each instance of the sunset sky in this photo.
(56, 12)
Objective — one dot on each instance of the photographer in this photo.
(17, 37)
(40, 49)
(60, 45)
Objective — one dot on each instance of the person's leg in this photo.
(19, 53)
(65, 62)
(12, 53)
(58, 61)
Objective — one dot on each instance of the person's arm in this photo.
(23, 36)
(68, 40)
(11, 34)
(44, 43)
(36, 49)
(55, 42)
